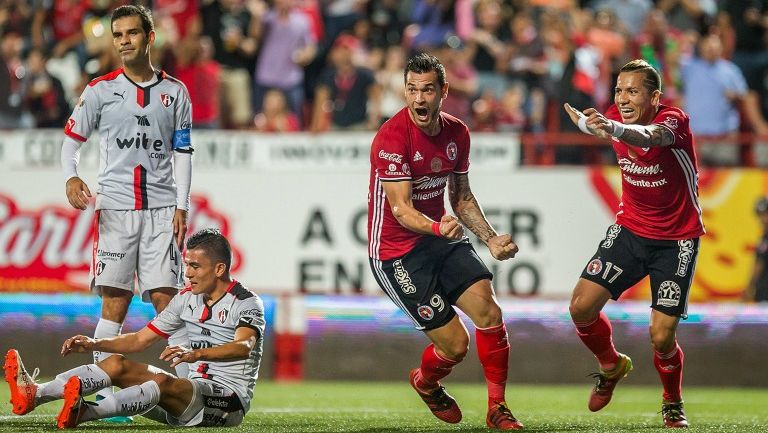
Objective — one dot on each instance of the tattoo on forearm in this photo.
(467, 208)
(647, 136)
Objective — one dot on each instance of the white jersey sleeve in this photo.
(182, 140)
(169, 320)
(85, 117)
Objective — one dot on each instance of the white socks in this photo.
(92, 379)
(180, 338)
(134, 400)
(105, 329)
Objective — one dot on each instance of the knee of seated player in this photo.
(662, 338)
(114, 366)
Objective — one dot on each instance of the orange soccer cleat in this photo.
(442, 405)
(673, 414)
(23, 386)
(71, 411)
(606, 382)
(500, 417)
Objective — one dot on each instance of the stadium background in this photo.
(294, 205)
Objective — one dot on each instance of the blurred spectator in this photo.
(511, 115)
(11, 73)
(606, 34)
(435, 20)
(275, 116)
(16, 15)
(487, 47)
(757, 290)
(387, 23)
(347, 96)
(461, 77)
(662, 46)
(631, 12)
(43, 94)
(57, 25)
(392, 82)
(228, 23)
(339, 16)
(714, 88)
(287, 45)
(177, 16)
(687, 15)
(202, 75)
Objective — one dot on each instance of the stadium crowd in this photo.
(291, 65)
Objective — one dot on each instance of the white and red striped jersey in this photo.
(214, 325)
(660, 192)
(139, 128)
(403, 152)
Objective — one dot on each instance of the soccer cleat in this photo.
(23, 386)
(442, 405)
(500, 417)
(71, 411)
(673, 414)
(606, 382)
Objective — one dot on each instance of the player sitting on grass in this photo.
(226, 324)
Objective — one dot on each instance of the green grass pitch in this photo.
(394, 407)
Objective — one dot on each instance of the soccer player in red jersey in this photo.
(656, 232)
(419, 254)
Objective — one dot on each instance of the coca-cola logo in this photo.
(50, 249)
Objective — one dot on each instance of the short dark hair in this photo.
(422, 63)
(135, 10)
(652, 79)
(215, 245)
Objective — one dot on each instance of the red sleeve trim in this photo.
(106, 77)
(154, 329)
(76, 136)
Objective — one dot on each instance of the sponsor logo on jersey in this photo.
(391, 157)
(121, 95)
(630, 167)
(417, 156)
(403, 279)
(426, 312)
(142, 141)
(166, 99)
(594, 267)
(206, 332)
(668, 294)
(436, 164)
(685, 255)
(392, 167)
(451, 151)
(223, 315)
(671, 122)
(428, 182)
(142, 120)
(216, 402)
(109, 254)
(200, 344)
(613, 233)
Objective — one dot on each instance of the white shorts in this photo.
(212, 405)
(136, 243)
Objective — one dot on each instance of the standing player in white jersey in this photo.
(419, 254)
(656, 232)
(143, 117)
(227, 322)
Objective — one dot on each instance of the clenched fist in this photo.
(450, 228)
(502, 247)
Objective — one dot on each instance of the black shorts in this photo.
(624, 258)
(428, 280)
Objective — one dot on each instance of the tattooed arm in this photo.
(470, 214)
(635, 135)
(399, 197)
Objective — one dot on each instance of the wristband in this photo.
(436, 228)
(582, 124)
(618, 129)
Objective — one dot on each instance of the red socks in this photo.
(493, 351)
(433, 368)
(596, 335)
(670, 368)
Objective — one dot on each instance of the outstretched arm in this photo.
(125, 343)
(240, 348)
(593, 122)
(470, 214)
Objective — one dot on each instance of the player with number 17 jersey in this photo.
(139, 126)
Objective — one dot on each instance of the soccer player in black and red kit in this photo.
(419, 254)
(656, 232)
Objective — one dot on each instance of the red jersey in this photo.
(403, 152)
(659, 185)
